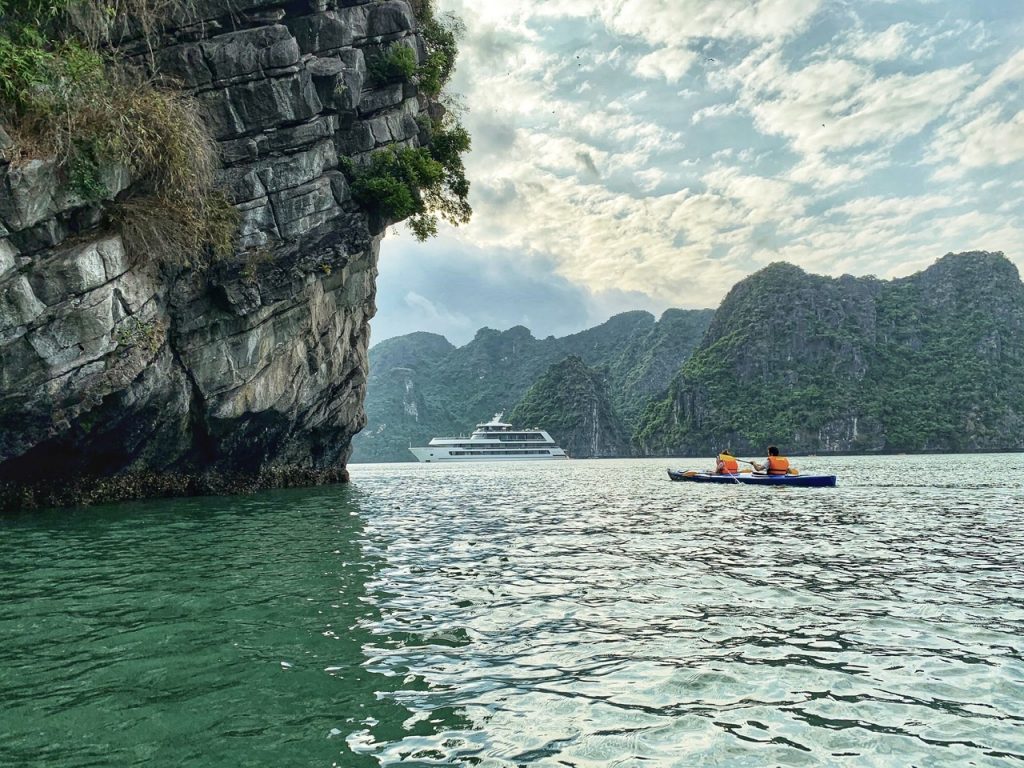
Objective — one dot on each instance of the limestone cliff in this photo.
(422, 387)
(929, 362)
(122, 377)
(571, 402)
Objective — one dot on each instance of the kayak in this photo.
(796, 481)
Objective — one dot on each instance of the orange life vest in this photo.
(729, 464)
(778, 465)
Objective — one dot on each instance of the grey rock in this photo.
(8, 257)
(249, 52)
(299, 167)
(18, 304)
(28, 192)
(320, 33)
(304, 207)
(78, 270)
(298, 136)
(389, 18)
(324, 66)
(243, 109)
(356, 140)
(186, 64)
(340, 187)
(113, 367)
(239, 150)
(241, 182)
(258, 226)
(382, 98)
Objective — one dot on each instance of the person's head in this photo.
(726, 452)
(773, 451)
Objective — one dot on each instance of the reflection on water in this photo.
(587, 613)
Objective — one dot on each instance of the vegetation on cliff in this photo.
(934, 361)
(421, 184)
(66, 95)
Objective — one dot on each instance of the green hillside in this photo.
(420, 386)
(931, 362)
(572, 403)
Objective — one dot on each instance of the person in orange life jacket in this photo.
(774, 464)
(726, 463)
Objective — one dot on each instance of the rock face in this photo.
(931, 362)
(256, 368)
(421, 386)
(572, 403)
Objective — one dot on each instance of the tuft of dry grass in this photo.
(65, 93)
(176, 232)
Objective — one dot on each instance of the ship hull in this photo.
(429, 455)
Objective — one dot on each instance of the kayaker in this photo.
(726, 464)
(774, 464)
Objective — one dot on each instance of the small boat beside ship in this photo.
(494, 440)
(750, 478)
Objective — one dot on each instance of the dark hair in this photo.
(773, 451)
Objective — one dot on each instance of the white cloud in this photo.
(987, 128)
(613, 164)
(838, 104)
(648, 180)
(715, 110)
(669, 64)
(885, 46)
(666, 22)
(985, 141)
(434, 313)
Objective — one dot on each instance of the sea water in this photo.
(579, 613)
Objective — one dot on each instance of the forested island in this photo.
(929, 362)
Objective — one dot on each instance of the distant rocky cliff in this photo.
(571, 402)
(421, 386)
(122, 377)
(930, 362)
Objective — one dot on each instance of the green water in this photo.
(579, 613)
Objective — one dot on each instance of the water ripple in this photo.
(584, 613)
(612, 619)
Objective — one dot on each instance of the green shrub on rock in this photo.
(394, 64)
(440, 38)
(418, 184)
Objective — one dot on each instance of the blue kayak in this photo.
(796, 481)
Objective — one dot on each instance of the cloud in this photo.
(887, 45)
(986, 140)
(715, 110)
(669, 64)
(987, 128)
(614, 163)
(666, 22)
(455, 289)
(837, 104)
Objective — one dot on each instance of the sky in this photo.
(646, 154)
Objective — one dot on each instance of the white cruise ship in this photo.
(492, 441)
